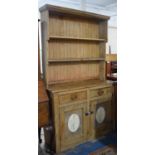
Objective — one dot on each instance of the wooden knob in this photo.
(87, 113)
(91, 112)
(100, 92)
(74, 97)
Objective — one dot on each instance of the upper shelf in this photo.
(75, 60)
(75, 38)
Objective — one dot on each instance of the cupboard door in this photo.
(72, 125)
(101, 118)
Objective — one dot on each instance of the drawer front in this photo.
(101, 92)
(72, 97)
(43, 114)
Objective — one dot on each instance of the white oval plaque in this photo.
(73, 122)
(100, 115)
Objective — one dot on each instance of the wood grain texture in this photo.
(42, 95)
(71, 60)
(105, 92)
(43, 114)
(69, 139)
(62, 49)
(76, 39)
(72, 97)
(70, 86)
(44, 36)
(79, 98)
(73, 27)
(99, 130)
(73, 36)
(43, 111)
(74, 69)
(73, 12)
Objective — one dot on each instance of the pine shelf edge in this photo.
(75, 60)
(75, 38)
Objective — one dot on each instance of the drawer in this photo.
(72, 97)
(101, 92)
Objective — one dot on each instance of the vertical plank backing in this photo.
(73, 72)
(73, 27)
(62, 49)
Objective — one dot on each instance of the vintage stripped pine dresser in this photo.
(74, 46)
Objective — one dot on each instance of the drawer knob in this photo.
(74, 97)
(100, 92)
(89, 113)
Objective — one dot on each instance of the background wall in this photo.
(112, 39)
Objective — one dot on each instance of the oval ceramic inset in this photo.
(100, 115)
(73, 122)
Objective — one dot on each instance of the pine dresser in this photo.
(74, 47)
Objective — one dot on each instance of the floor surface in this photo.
(86, 148)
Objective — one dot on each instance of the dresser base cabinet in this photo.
(82, 111)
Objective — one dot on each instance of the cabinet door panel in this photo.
(101, 118)
(72, 125)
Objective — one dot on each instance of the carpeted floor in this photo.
(107, 150)
(89, 147)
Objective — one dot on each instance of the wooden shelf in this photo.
(74, 46)
(75, 60)
(75, 38)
